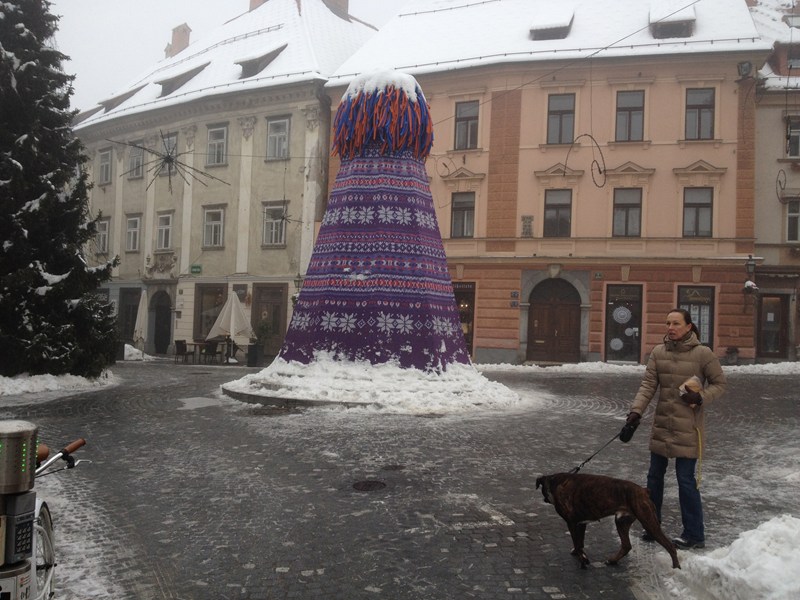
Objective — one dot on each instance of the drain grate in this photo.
(369, 485)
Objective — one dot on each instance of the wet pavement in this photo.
(194, 495)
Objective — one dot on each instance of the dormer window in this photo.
(114, 102)
(254, 66)
(792, 20)
(670, 20)
(173, 83)
(553, 24)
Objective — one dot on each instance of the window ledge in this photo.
(716, 142)
(164, 251)
(645, 144)
(465, 150)
(205, 248)
(135, 177)
(216, 165)
(546, 147)
(273, 246)
(277, 158)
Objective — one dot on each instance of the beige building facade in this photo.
(211, 171)
(580, 200)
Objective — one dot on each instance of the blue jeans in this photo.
(688, 494)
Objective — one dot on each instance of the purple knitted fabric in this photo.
(377, 287)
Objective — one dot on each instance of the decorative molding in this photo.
(162, 266)
(312, 116)
(559, 170)
(248, 125)
(189, 133)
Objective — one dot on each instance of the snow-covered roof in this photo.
(778, 22)
(278, 43)
(431, 36)
(769, 18)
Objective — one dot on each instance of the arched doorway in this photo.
(554, 322)
(162, 330)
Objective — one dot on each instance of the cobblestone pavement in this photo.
(193, 495)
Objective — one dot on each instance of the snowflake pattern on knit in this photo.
(377, 287)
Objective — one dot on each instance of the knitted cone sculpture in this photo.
(377, 288)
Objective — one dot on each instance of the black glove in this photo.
(631, 423)
(691, 397)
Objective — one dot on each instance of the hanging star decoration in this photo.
(168, 161)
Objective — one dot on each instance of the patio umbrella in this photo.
(232, 321)
(140, 326)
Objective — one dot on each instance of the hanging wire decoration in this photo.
(598, 166)
(780, 185)
(167, 161)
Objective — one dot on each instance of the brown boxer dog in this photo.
(580, 499)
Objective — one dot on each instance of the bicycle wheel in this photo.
(45, 556)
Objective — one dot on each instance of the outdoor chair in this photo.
(181, 350)
(211, 352)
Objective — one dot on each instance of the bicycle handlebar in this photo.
(64, 453)
(69, 449)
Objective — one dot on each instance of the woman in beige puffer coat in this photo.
(679, 417)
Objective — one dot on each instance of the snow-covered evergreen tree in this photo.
(51, 320)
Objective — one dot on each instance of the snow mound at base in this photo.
(383, 387)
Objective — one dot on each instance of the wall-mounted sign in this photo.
(196, 269)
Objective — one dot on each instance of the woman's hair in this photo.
(687, 318)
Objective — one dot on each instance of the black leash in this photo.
(580, 466)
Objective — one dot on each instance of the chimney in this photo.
(341, 8)
(254, 4)
(180, 40)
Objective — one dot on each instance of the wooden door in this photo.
(554, 323)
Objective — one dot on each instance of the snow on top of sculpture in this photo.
(386, 109)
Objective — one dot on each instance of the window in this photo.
(213, 222)
(697, 204)
(793, 139)
(277, 138)
(136, 161)
(164, 232)
(168, 145)
(630, 116)
(132, 234)
(699, 301)
(627, 212)
(274, 230)
(463, 218)
(466, 125)
(217, 145)
(700, 114)
(557, 213)
(104, 173)
(560, 118)
(793, 221)
(101, 237)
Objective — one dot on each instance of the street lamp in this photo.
(298, 281)
(750, 267)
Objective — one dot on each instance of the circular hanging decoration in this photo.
(622, 315)
(616, 344)
(629, 331)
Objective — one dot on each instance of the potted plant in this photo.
(732, 355)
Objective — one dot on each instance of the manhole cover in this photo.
(368, 486)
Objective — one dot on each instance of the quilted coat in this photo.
(678, 428)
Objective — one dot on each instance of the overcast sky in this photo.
(110, 42)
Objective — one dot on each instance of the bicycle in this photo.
(43, 565)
